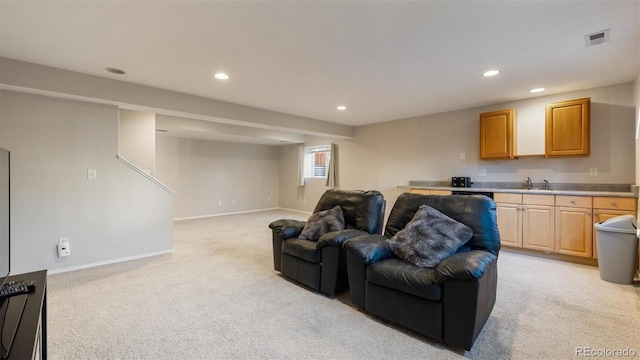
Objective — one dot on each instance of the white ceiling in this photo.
(383, 60)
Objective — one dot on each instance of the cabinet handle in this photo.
(614, 203)
(573, 202)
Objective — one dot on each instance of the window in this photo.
(316, 161)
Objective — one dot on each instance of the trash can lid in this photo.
(625, 224)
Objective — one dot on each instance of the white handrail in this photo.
(154, 180)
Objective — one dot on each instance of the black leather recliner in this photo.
(321, 264)
(450, 302)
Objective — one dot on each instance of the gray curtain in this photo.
(332, 173)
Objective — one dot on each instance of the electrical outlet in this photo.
(63, 247)
(593, 171)
(482, 172)
(233, 202)
(92, 174)
(268, 198)
(462, 156)
(219, 203)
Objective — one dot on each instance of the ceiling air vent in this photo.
(597, 38)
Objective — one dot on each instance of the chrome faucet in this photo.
(545, 186)
(529, 183)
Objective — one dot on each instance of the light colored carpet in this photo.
(218, 297)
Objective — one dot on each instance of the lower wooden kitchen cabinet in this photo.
(561, 224)
(509, 218)
(537, 225)
(574, 225)
(526, 220)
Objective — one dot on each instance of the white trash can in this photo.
(617, 244)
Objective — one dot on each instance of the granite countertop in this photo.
(613, 190)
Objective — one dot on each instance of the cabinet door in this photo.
(509, 224)
(537, 227)
(574, 231)
(497, 134)
(567, 128)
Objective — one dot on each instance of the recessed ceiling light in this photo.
(341, 107)
(115, 70)
(491, 73)
(537, 90)
(221, 76)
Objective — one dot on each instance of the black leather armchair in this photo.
(450, 302)
(321, 264)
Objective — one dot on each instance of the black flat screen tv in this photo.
(10, 307)
(5, 232)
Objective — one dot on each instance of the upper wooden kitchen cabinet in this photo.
(567, 128)
(497, 134)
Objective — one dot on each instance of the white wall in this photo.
(204, 173)
(53, 142)
(636, 98)
(137, 138)
(385, 155)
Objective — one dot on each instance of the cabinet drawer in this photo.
(529, 199)
(440, 192)
(507, 198)
(614, 203)
(573, 201)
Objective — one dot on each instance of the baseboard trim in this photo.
(108, 262)
(223, 214)
(241, 212)
(552, 256)
(296, 210)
